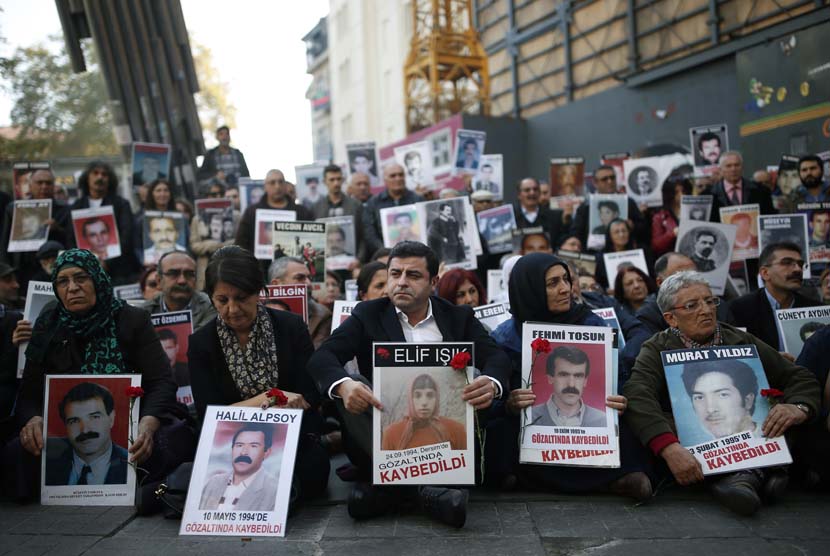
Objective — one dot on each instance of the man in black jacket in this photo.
(529, 212)
(733, 189)
(409, 314)
(781, 269)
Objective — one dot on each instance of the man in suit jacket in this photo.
(529, 212)
(409, 314)
(734, 189)
(781, 270)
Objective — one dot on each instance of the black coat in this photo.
(377, 321)
(211, 381)
(61, 352)
(550, 220)
(751, 193)
(753, 312)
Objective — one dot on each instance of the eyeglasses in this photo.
(789, 262)
(692, 306)
(174, 273)
(80, 280)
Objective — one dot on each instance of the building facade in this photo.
(319, 91)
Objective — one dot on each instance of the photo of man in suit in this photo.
(248, 487)
(567, 370)
(87, 456)
(444, 236)
(485, 180)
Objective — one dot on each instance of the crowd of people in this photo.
(240, 348)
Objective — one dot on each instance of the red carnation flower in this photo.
(278, 397)
(383, 353)
(134, 391)
(772, 393)
(460, 360)
(540, 345)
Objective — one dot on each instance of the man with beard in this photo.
(223, 162)
(567, 369)
(704, 246)
(781, 269)
(248, 487)
(88, 455)
(177, 273)
(812, 189)
(444, 236)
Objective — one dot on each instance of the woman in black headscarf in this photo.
(90, 331)
(541, 291)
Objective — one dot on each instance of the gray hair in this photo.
(279, 267)
(673, 284)
(730, 153)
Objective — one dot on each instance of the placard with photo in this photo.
(644, 177)
(363, 157)
(586, 262)
(706, 144)
(217, 220)
(615, 160)
(469, 146)
(21, 172)
(496, 288)
(341, 311)
(745, 220)
(818, 230)
(615, 261)
(490, 176)
(567, 176)
(790, 228)
(341, 244)
(306, 241)
(264, 230)
(709, 245)
(795, 326)
(787, 179)
(448, 232)
(38, 296)
(311, 184)
(89, 422)
(492, 315)
(174, 330)
(241, 480)
(149, 162)
(496, 226)
(603, 208)
(96, 230)
(287, 297)
(128, 291)
(250, 192)
(399, 224)
(30, 225)
(416, 160)
(695, 207)
(163, 232)
(440, 144)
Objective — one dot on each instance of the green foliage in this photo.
(212, 102)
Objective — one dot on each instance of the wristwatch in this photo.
(804, 408)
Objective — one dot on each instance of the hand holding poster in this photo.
(96, 230)
(569, 369)
(745, 220)
(88, 423)
(424, 435)
(709, 246)
(174, 330)
(241, 480)
(30, 225)
(795, 326)
(290, 297)
(718, 408)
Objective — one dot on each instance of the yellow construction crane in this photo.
(446, 70)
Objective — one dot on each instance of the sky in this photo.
(257, 49)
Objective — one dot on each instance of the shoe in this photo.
(739, 492)
(366, 501)
(634, 485)
(446, 505)
(776, 480)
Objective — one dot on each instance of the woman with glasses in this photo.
(90, 331)
(248, 349)
(690, 310)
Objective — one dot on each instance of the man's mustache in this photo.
(86, 436)
(571, 390)
(99, 181)
(796, 276)
(183, 289)
(243, 459)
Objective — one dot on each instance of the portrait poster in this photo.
(603, 208)
(398, 224)
(570, 424)
(785, 227)
(615, 261)
(128, 291)
(96, 230)
(150, 162)
(615, 161)
(787, 178)
(706, 143)
(795, 326)
(644, 177)
(448, 232)
(21, 172)
(287, 297)
(567, 176)
(163, 232)
(341, 311)
(38, 296)
(609, 317)
(250, 192)
(306, 241)
(586, 262)
(492, 315)
(236, 444)
(745, 220)
(490, 176)
(696, 207)
(174, 330)
(718, 408)
(496, 288)
(310, 184)
(30, 228)
(818, 230)
(88, 428)
(217, 220)
(496, 226)
(424, 435)
(469, 146)
(709, 245)
(363, 157)
(264, 228)
(478, 248)
(440, 145)
(341, 244)
(416, 160)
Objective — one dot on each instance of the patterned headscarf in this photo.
(102, 354)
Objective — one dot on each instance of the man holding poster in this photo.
(690, 311)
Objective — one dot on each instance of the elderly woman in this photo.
(541, 291)
(632, 286)
(690, 310)
(90, 331)
(236, 358)
(462, 287)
